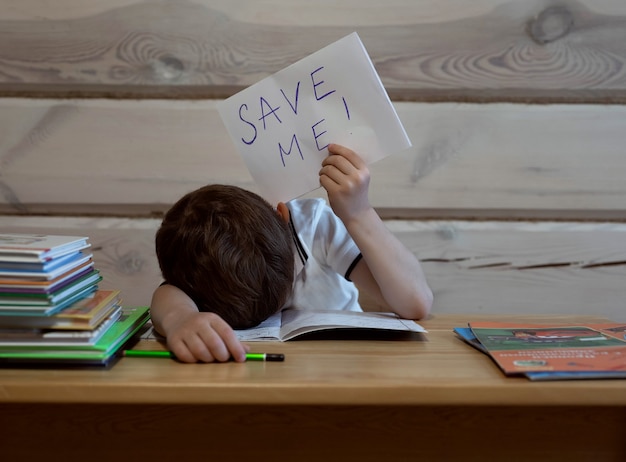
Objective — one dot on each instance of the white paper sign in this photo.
(283, 124)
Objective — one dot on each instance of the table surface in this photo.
(436, 368)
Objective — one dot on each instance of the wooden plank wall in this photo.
(513, 194)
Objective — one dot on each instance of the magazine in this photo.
(552, 351)
(20, 297)
(41, 338)
(85, 314)
(38, 247)
(76, 260)
(101, 353)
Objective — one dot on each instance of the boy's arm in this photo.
(389, 272)
(193, 335)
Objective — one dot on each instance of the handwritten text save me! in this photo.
(259, 119)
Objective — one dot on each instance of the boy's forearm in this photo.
(395, 268)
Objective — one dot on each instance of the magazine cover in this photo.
(521, 348)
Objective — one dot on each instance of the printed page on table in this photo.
(267, 330)
(282, 125)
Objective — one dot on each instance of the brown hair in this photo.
(228, 250)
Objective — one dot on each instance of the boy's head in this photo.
(228, 250)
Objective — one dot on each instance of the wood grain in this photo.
(473, 267)
(433, 369)
(336, 400)
(492, 50)
(108, 168)
(468, 160)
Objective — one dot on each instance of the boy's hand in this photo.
(204, 337)
(346, 178)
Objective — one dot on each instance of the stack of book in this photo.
(42, 274)
(551, 351)
(52, 311)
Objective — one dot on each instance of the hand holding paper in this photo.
(345, 177)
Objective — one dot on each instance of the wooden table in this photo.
(427, 399)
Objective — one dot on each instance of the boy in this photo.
(230, 260)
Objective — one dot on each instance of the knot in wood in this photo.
(551, 24)
(167, 68)
(447, 232)
(130, 263)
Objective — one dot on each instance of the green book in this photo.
(100, 353)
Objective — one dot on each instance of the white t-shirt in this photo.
(325, 255)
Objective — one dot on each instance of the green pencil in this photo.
(169, 354)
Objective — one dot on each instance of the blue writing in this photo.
(317, 135)
(267, 114)
(294, 108)
(294, 140)
(346, 106)
(316, 84)
(245, 106)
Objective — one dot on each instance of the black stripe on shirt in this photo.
(296, 240)
(352, 265)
